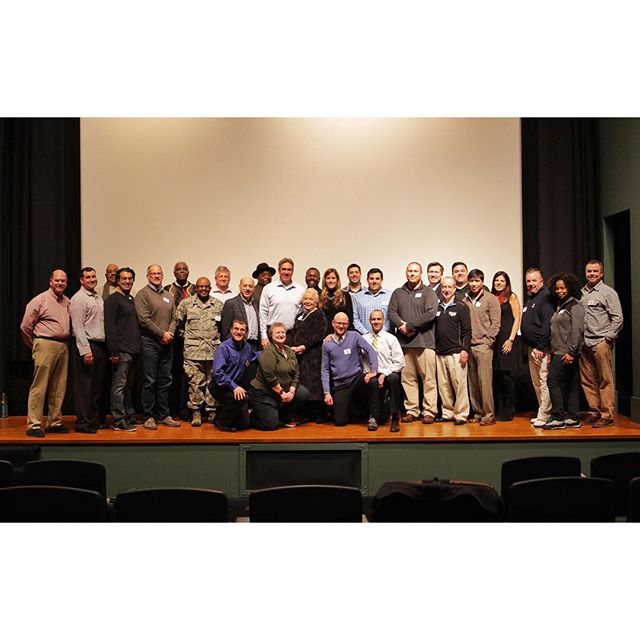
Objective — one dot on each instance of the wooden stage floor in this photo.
(12, 431)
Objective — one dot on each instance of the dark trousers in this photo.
(230, 413)
(393, 388)
(342, 398)
(157, 360)
(87, 384)
(563, 381)
(122, 387)
(504, 392)
(178, 394)
(269, 412)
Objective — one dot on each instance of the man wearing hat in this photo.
(263, 275)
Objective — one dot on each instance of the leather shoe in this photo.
(591, 418)
(408, 417)
(169, 422)
(56, 428)
(487, 422)
(603, 422)
(395, 424)
(35, 432)
(459, 422)
(86, 430)
(428, 420)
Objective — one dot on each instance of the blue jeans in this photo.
(121, 384)
(157, 360)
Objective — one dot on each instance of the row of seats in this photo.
(532, 490)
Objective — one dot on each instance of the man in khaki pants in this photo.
(602, 323)
(45, 330)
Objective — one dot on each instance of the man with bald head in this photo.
(110, 286)
(342, 372)
(45, 331)
(156, 311)
(197, 319)
(244, 306)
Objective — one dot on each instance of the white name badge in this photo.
(165, 299)
(418, 295)
(453, 314)
(347, 352)
(437, 314)
(217, 318)
(477, 304)
(524, 310)
(384, 304)
(592, 303)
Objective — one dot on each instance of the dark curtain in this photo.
(560, 222)
(39, 229)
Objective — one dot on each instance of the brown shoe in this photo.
(408, 417)
(591, 418)
(487, 422)
(603, 422)
(428, 420)
(395, 424)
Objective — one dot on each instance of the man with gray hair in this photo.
(222, 291)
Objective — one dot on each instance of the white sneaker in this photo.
(532, 420)
(538, 423)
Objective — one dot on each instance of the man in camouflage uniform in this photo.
(197, 317)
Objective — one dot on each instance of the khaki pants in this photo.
(452, 387)
(481, 381)
(420, 364)
(538, 372)
(50, 365)
(596, 377)
(198, 374)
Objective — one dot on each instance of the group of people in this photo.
(276, 353)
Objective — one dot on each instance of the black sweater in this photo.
(453, 329)
(121, 327)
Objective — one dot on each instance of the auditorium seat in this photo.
(80, 474)
(537, 467)
(171, 504)
(306, 503)
(633, 502)
(437, 500)
(6, 473)
(18, 455)
(619, 467)
(563, 499)
(40, 503)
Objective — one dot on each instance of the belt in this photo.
(54, 339)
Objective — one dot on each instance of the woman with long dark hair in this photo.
(333, 299)
(504, 355)
(567, 337)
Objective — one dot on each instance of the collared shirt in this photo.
(364, 302)
(253, 325)
(390, 356)
(279, 303)
(353, 293)
(602, 313)
(46, 316)
(223, 296)
(87, 319)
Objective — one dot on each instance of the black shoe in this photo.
(56, 428)
(123, 425)
(132, 421)
(102, 427)
(35, 432)
(86, 430)
(459, 422)
(395, 424)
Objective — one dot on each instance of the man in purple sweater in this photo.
(342, 372)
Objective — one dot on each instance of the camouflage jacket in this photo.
(198, 322)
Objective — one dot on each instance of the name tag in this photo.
(592, 303)
(524, 310)
(165, 299)
(453, 314)
(347, 352)
(563, 311)
(437, 314)
(384, 304)
(418, 295)
(477, 304)
(217, 317)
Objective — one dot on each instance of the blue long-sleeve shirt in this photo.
(230, 363)
(341, 363)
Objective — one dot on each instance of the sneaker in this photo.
(538, 423)
(196, 419)
(35, 432)
(132, 421)
(169, 422)
(150, 423)
(56, 428)
(572, 424)
(123, 425)
(554, 424)
(372, 425)
(532, 420)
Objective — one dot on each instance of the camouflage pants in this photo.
(198, 374)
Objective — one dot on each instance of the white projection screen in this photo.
(325, 192)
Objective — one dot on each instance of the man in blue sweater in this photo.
(343, 374)
(233, 369)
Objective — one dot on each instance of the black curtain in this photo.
(560, 176)
(39, 229)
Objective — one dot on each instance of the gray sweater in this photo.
(567, 328)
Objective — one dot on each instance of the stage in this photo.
(240, 462)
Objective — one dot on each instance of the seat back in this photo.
(561, 500)
(80, 474)
(633, 504)
(6, 473)
(306, 503)
(18, 455)
(437, 501)
(171, 504)
(40, 503)
(621, 468)
(537, 467)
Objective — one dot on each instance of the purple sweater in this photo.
(341, 363)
